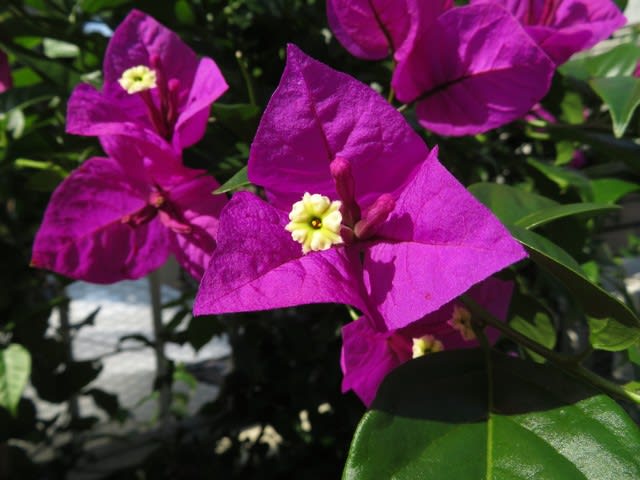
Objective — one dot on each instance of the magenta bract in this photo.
(112, 220)
(176, 110)
(564, 27)
(374, 29)
(426, 239)
(5, 73)
(473, 69)
(368, 354)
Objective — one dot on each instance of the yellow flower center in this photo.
(461, 321)
(138, 79)
(426, 344)
(315, 222)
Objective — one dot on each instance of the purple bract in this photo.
(564, 27)
(119, 218)
(368, 354)
(171, 102)
(413, 238)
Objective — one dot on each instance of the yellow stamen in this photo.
(315, 222)
(425, 345)
(461, 321)
(138, 79)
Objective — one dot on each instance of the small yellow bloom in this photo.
(315, 222)
(426, 344)
(461, 321)
(138, 79)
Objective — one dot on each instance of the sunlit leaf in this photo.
(15, 368)
(238, 180)
(442, 417)
(556, 212)
(622, 96)
(596, 301)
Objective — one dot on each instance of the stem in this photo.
(246, 77)
(391, 95)
(477, 311)
(569, 364)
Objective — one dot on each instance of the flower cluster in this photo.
(469, 69)
(118, 217)
(358, 209)
(359, 212)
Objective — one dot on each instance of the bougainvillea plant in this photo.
(454, 295)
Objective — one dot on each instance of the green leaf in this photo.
(610, 190)
(15, 368)
(564, 178)
(564, 152)
(604, 144)
(572, 108)
(634, 354)
(94, 6)
(509, 203)
(622, 96)
(556, 212)
(184, 13)
(440, 418)
(550, 257)
(181, 374)
(610, 335)
(618, 62)
(238, 180)
(59, 49)
(541, 331)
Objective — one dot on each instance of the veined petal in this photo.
(83, 236)
(201, 211)
(134, 41)
(367, 358)
(564, 27)
(90, 112)
(474, 69)
(369, 354)
(437, 243)
(208, 84)
(267, 269)
(371, 29)
(318, 114)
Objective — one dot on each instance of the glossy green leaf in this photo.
(610, 190)
(541, 331)
(238, 180)
(596, 301)
(556, 212)
(15, 368)
(610, 335)
(509, 203)
(442, 417)
(617, 62)
(622, 96)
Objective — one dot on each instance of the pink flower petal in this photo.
(83, 236)
(318, 114)
(437, 243)
(257, 266)
(474, 69)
